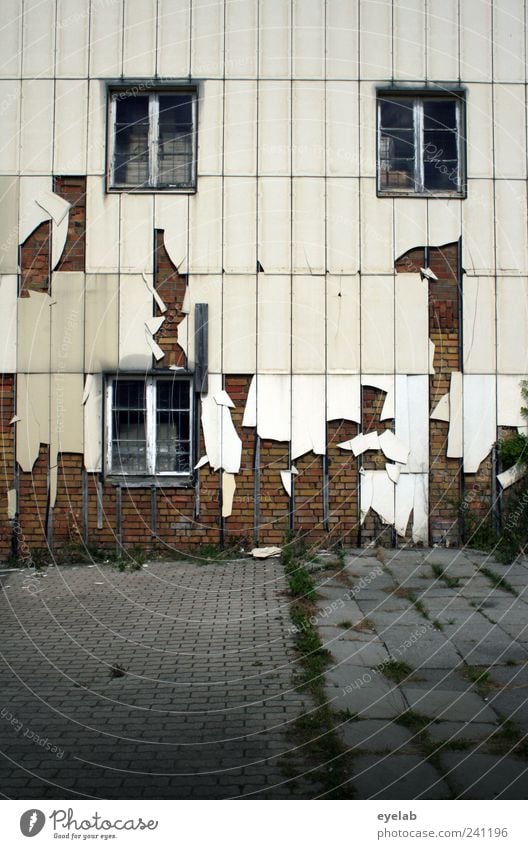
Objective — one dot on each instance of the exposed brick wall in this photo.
(33, 501)
(171, 288)
(67, 512)
(373, 529)
(35, 260)
(73, 189)
(239, 528)
(7, 446)
(343, 510)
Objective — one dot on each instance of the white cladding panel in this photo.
(207, 34)
(71, 107)
(36, 151)
(72, 38)
(442, 40)
(173, 54)
(139, 38)
(409, 39)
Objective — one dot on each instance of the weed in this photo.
(345, 624)
(441, 573)
(364, 625)
(414, 721)
(347, 715)
(498, 580)
(419, 605)
(439, 625)
(480, 677)
(396, 670)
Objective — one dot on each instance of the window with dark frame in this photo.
(153, 142)
(420, 144)
(149, 426)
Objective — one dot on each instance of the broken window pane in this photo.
(131, 153)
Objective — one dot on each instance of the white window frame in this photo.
(153, 137)
(419, 189)
(150, 382)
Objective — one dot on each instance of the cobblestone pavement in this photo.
(174, 681)
(430, 670)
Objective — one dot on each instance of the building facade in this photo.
(263, 268)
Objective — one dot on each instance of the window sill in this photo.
(147, 481)
(150, 190)
(394, 193)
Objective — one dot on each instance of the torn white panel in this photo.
(93, 412)
(455, 446)
(478, 312)
(135, 309)
(139, 38)
(33, 333)
(274, 323)
(404, 502)
(510, 400)
(512, 475)
(185, 307)
(342, 225)
(239, 341)
(157, 352)
(286, 478)
(241, 39)
(8, 323)
(173, 48)
(136, 233)
(228, 491)
(376, 40)
(383, 496)
(183, 336)
(478, 244)
(480, 420)
(342, 324)
(36, 126)
(343, 397)
(210, 137)
(274, 222)
(39, 29)
(10, 94)
(72, 39)
(30, 214)
(240, 126)
(475, 41)
(52, 203)
(428, 274)
(420, 529)
(308, 415)
(71, 115)
(240, 224)
(509, 136)
(377, 251)
(441, 411)
(207, 34)
(385, 382)
(171, 214)
(308, 225)
(308, 127)
(147, 280)
(431, 368)
(443, 221)
(102, 230)
(412, 420)
(32, 427)
(342, 121)
(377, 324)
(67, 321)
(341, 39)
(14, 420)
(393, 470)
(392, 447)
(203, 461)
(366, 491)
(249, 419)
(361, 443)
(88, 387)
(275, 38)
(274, 127)
(510, 219)
(153, 325)
(101, 322)
(223, 399)
(412, 324)
(410, 224)
(408, 26)
(308, 324)
(9, 197)
(205, 227)
(512, 325)
(222, 443)
(206, 289)
(442, 39)
(268, 406)
(59, 234)
(11, 503)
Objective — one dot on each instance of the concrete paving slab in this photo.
(359, 652)
(475, 732)
(483, 776)
(365, 693)
(397, 777)
(448, 705)
(376, 735)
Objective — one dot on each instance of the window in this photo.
(153, 139)
(149, 426)
(419, 144)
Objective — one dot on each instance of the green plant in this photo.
(441, 573)
(413, 720)
(498, 580)
(395, 670)
(480, 677)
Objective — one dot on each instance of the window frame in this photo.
(150, 380)
(418, 96)
(139, 89)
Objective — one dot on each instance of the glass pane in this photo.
(129, 447)
(441, 175)
(172, 426)
(439, 114)
(397, 113)
(175, 148)
(397, 143)
(131, 140)
(440, 144)
(400, 175)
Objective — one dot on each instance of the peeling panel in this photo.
(408, 24)
(210, 135)
(240, 224)
(342, 226)
(135, 308)
(67, 321)
(308, 225)
(101, 322)
(386, 384)
(479, 130)
(480, 419)
(30, 214)
(343, 397)
(241, 38)
(342, 121)
(207, 289)
(205, 227)
(222, 443)
(510, 400)
(274, 127)
(376, 40)
(308, 415)
(308, 324)
(441, 410)
(207, 38)
(442, 40)
(508, 40)
(171, 214)
(510, 216)
(367, 127)
(139, 38)
(512, 475)
(475, 40)
(377, 324)
(274, 216)
(393, 448)
(268, 406)
(456, 418)
(420, 530)
(509, 122)
(32, 428)
(479, 324)
(410, 224)
(444, 224)
(274, 328)
(366, 484)
(377, 252)
(71, 107)
(10, 94)
(512, 325)
(274, 38)
(308, 132)
(106, 28)
(478, 228)
(39, 38)
(240, 127)
(383, 496)
(308, 32)
(11, 39)
(239, 324)
(36, 127)
(72, 39)
(59, 236)
(34, 333)
(404, 502)
(228, 492)
(8, 323)
(136, 233)
(342, 323)
(102, 227)
(174, 21)
(412, 420)
(9, 198)
(12, 505)
(342, 39)
(93, 424)
(412, 324)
